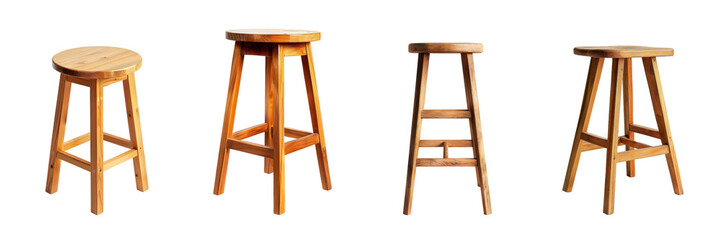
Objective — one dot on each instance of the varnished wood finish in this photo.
(613, 116)
(659, 109)
(418, 103)
(469, 76)
(445, 48)
(623, 51)
(136, 139)
(471, 113)
(235, 69)
(96, 67)
(621, 84)
(274, 46)
(268, 165)
(589, 96)
(272, 35)
(96, 148)
(315, 116)
(97, 62)
(61, 116)
(628, 113)
(278, 131)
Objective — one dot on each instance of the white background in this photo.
(530, 87)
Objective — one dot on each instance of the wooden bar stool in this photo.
(471, 113)
(621, 81)
(96, 67)
(275, 45)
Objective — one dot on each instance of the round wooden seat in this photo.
(623, 51)
(445, 48)
(272, 35)
(97, 62)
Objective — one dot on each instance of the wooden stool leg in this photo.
(278, 130)
(314, 105)
(613, 117)
(628, 113)
(418, 103)
(475, 124)
(659, 108)
(96, 147)
(136, 138)
(268, 166)
(594, 74)
(61, 116)
(236, 69)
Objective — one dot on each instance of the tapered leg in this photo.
(315, 116)
(268, 112)
(475, 123)
(613, 117)
(659, 109)
(418, 103)
(594, 74)
(96, 147)
(236, 69)
(278, 130)
(136, 138)
(61, 116)
(628, 113)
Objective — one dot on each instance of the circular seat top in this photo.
(97, 62)
(623, 51)
(445, 48)
(272, 35)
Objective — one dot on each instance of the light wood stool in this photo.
(621, 81)
(275, 45)
(471, 113)
(96, 67)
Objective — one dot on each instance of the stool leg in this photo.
(136, 139)
(418, 103)
(235, 71)
(96, 147)
(659, 108)
(278, 130)
(314, 105)
(475, 124)
(594, 74)
(628, 113)
(613, 117)
(61, 116)
(268, 112)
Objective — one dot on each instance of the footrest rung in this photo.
(301, 143)
(446, 162)
(446, 114)
(641, 153)
(450, 143)
(645, 131)
(74, 160)
(249, 147)
(249, 132)
(106, 137)
(120, 159)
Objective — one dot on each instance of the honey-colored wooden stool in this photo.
(471, 113)
(621, 81)
(275, 45)
(96, 67)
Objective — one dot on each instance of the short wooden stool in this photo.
(275, 45)
(471, 113)
(96, 67)
(621, 81)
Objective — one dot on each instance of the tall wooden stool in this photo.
(471, 113)
(96, 67)
(275, 45)
(621, 81)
